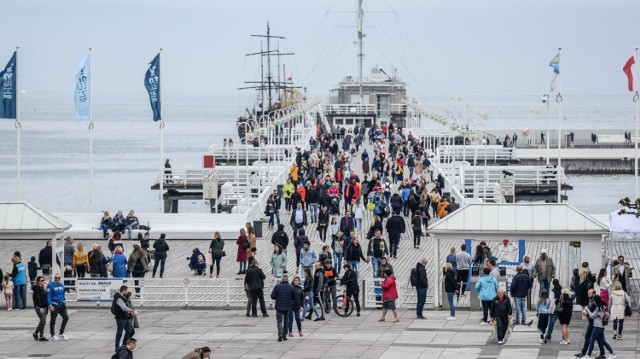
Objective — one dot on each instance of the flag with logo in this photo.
(8, 84)
(82, 90)
(152, 84)
(629, 72)
(555, 80)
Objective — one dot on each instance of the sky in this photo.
(440, 47)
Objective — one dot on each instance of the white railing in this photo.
(480, 153)
(360, 109)
(488, 192)
(522, 175)
(407, 295)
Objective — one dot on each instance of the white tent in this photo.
(625, 225)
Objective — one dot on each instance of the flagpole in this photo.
(90, 136)
(18, 127)
(559, 101)
(635, 140)
(161, 136)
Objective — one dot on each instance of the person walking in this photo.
(216, 248)
(350, 281)
(450, 287)
(564, 312)
(126, 351)
(542, 312)
(138, 266)
(597, 314)
(605, 286)
(19, 279)
(323, 222)
(353, 254)
(161, 248)
(318, 289)
(376, 249)
(389, 296)
(308, 293)
(296, 306)
(520, 285)
(254, 279)
(619, 300)
(487, 288)
(395, 227)
(283, 294)
(622, 272)
(298, 244)
(416, 226)
(587, 334)
(501, 312)
(298, 218)
(40, 307)
(544, 270)
(123, 313)
(278, 262)
(555, 295)
(9, 288)
(57, 306)
(422, 284)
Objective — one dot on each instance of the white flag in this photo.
(82, 93)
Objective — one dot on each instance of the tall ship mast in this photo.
(273, 93)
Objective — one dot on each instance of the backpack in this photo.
(117, 354)
(113, 307)
(246, 244)
(413, 277)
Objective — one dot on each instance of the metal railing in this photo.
(478, 152)
(360, 109)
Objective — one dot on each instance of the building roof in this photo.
(22, 220)
(537, 218)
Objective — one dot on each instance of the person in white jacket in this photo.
(619, 299)
(358, 213)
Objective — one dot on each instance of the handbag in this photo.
(627, 310)
(135, 322)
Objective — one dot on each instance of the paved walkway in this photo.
(172, 333)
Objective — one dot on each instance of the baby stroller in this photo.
(335, 205)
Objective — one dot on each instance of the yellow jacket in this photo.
(288, 189)
(80, 258)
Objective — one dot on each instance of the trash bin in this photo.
(446, 195)
(257, 226)
(280, 186)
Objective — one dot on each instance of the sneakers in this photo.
(318, 319)
(290, 334)
(265, 315)
(542, 341)
(279, 338)
(451, 318)
(620, 337)
(55, 338)
(615, 336)
(612, 356)
(484, 323)
(64, 337)
(500, 342)
(35, 336)
(43, 339)
(421, 317)
(300, 333)
(358, 314)
(564, 342)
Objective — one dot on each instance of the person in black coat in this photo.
(45, 258)
(254, 280)
(281, 237)
(450, 287)
(395, 228)
(396, 202)
(323, 222)
(41, 307)
(283, 295)
(520, 285)
(422, 284)
(160, 255)
(350, 281)
(501, 312)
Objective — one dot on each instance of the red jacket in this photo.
(389, 289)
(241, 255)
(352, 191)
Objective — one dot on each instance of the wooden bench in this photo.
(174, 225)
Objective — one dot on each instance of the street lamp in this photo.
(545, 100)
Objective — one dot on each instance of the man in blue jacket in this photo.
(283, 295)
(520, 285)
(57, 305)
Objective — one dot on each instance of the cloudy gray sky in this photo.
(440, 47)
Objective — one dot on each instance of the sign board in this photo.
(209, 185)
(98, 289)
(185, 282)
(208, 161)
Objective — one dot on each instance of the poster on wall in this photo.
(508, 255)
(98, 289)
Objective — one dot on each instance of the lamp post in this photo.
(545, 100)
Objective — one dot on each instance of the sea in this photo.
(126, 145)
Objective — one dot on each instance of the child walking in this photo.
(542, 311)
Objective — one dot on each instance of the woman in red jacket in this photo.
(243, 246)
(389, 295)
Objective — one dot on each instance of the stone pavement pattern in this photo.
(172, 333)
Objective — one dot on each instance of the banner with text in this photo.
(152, 84)
(98, 289)
(82, 91)
(8, 84)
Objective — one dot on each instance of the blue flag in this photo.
(152, 84)
(82, 90)
(8, 82)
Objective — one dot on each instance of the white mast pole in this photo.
(635, 140)
(161, 134)
(360, 45)
(559, 101)
(90, 137)
(18, 127)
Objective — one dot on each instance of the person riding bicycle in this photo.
(330, 275)
(350, 281)
(318, 286)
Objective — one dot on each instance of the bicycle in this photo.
(345, 308)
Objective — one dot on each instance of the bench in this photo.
(174, 225)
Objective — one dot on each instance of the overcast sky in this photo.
(440, 47)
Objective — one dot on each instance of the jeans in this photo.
(544, 284)
(422, 299)
(123, 325)
(309, 303)
(43, 320)
(417, 234)
(587, 341)
(20, 295)
(295, 314)
(105, 229)
(355, 295)
(521, 309)
(62, 310)
(323, 233)
(337, 260)
(160, 261)
(243, 266)
(313, 212)
(282, 317)
(618, 325)
(81, 269)
(354, 265)
(543, 322)
(359, 224)
(375, 263)
(131, 227)
(393, 246)
(452, 305)
(552, 322)
(486, 304)
(598, 334)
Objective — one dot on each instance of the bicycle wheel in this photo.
(345, 309)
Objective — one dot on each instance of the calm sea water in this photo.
(127, 144)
